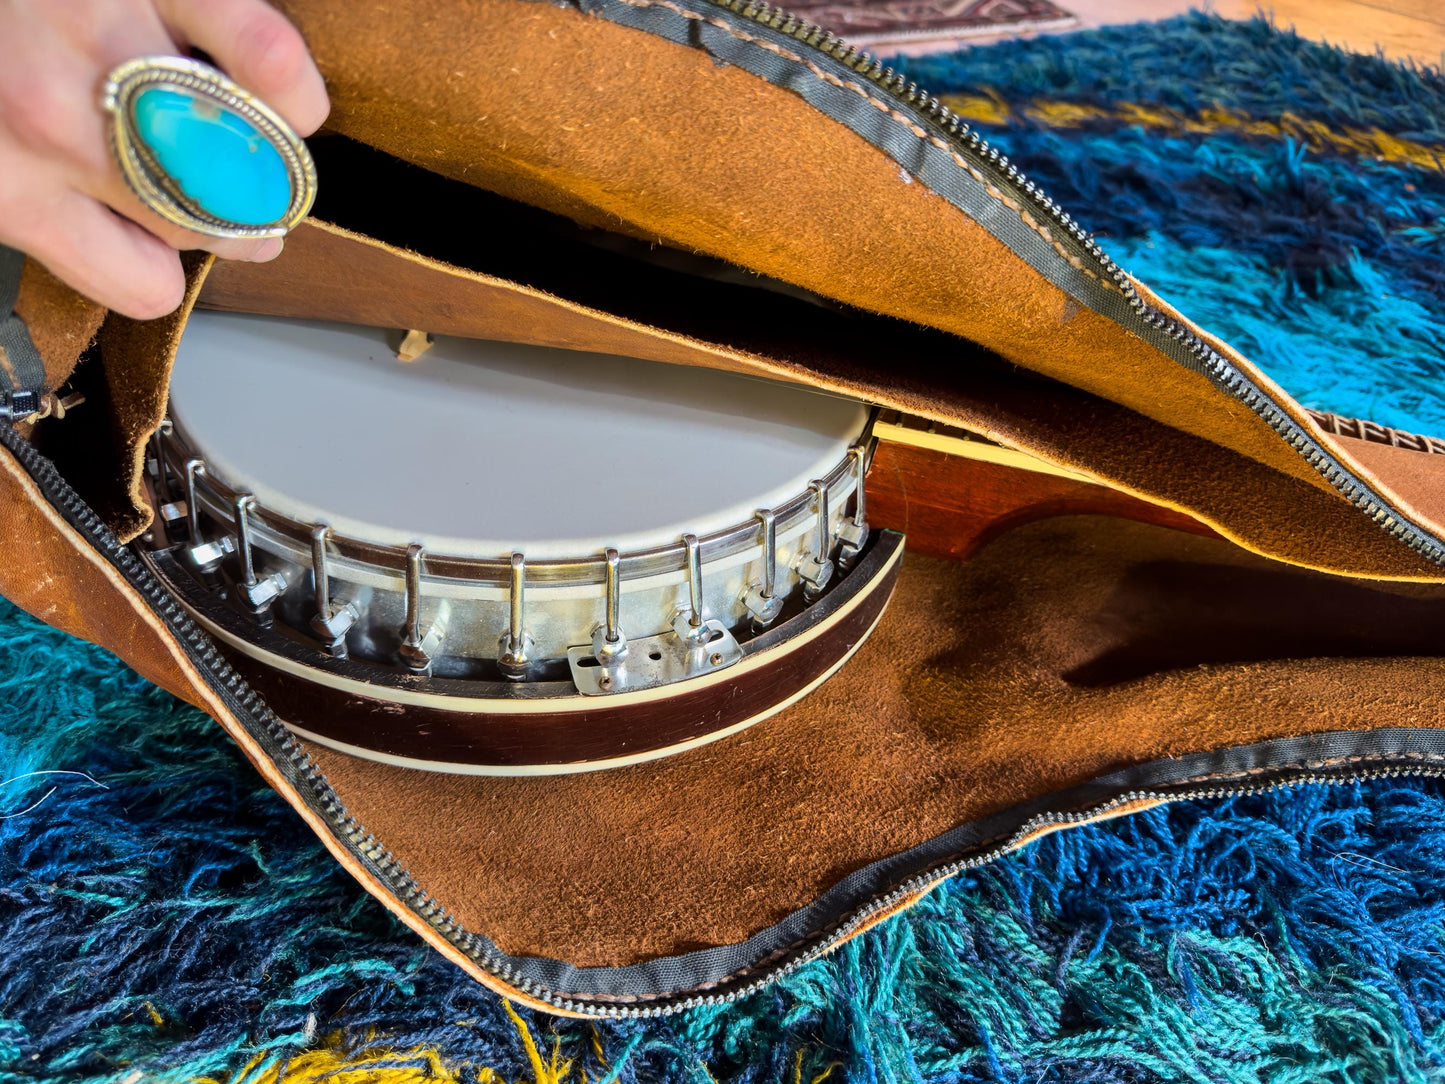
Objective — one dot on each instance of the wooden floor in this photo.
(1403, 29)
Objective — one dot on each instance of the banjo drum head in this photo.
(508, 559)
(482, 448)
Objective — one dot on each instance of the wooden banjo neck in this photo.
(951, 492)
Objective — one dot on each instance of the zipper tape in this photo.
(726, 973)
(21, 369)
(934, 146)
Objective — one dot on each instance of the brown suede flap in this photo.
(61, 322)
(330, 273)
(624, 130)
(1064, 650)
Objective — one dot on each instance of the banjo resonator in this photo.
(501, 559)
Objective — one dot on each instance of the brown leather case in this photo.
(481, 173)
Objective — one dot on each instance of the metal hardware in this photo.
(193, 507)
(854, 533)
(485, 572)
(205, 556)
(691, 624)
(656, 660)
(173, 513)
(172, 509)
(18, 405)
(367, 599)
(515, 660)
(162, 476)
(760, 598)
(259, 593)
(418, 647)
(609, 643)
(328, 623)
(698, 645)
(816, 569)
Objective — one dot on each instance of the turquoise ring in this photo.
(203, 153)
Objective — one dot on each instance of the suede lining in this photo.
(61, 322)
(621, 129)
(329, 273)
(1064, 650)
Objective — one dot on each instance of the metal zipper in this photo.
(287, 753)
(16, 406)
(988, 159)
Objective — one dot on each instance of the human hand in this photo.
(62, 198)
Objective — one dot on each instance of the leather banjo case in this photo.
(1073, 669)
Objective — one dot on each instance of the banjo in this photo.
(506, 559)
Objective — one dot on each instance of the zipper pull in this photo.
(16, 406)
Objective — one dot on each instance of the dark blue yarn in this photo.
(1293, 935)
(1198, 60)
(1296, 936)
(1326, 267)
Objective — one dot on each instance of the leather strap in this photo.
(20, 366)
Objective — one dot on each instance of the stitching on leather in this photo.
(1018, 833)
(897, 117)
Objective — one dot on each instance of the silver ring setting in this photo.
(188, 141)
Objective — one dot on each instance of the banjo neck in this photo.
(951, 491)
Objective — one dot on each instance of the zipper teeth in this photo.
(1211, 362)
(247, 704)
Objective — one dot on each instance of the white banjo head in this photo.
(503, 558)
(482, 448)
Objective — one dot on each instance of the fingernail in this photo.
(269, 249)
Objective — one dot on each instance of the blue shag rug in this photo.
(164, 916)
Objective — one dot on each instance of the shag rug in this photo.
(164, 916)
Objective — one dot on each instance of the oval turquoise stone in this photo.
(216, 157)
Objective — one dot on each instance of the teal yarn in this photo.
(163, 913)
(166, 912)
(1325, 265)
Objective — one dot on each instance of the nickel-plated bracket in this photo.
(853, 534)
(419, 645)
(696, 646)
(760, 598)
(259, 592)
(816, 569)
(656, 660)
(205, 556)
(331, 622)
(515, 647)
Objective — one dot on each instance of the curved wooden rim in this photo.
(578, 733)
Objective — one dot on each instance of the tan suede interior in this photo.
(624, 130)
(61, 322)
(328, 273)
(1063, 650)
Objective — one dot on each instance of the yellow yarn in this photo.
(1364, 142)
(328, 1064)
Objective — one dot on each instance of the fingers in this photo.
(257, 47)
(58, 182)
(107, 258)
(109, 188)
